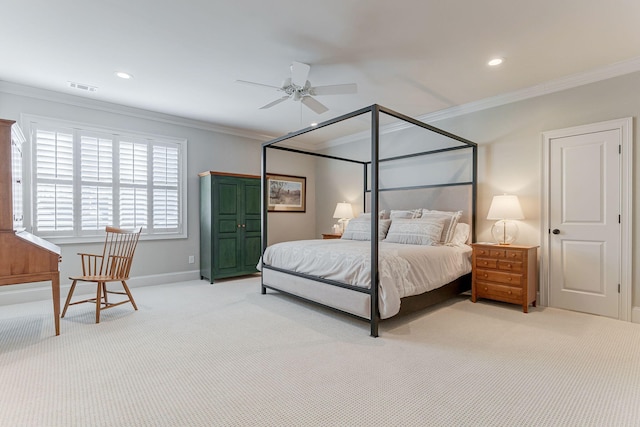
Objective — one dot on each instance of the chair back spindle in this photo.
(117, 257)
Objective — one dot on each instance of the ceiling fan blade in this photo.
(334, 89)
(276, 102)
(244, 82)
(314, 105)
(299, 73)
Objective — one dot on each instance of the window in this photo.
(85, 178)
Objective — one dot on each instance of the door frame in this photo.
(625, 126)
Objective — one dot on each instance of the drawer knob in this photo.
(509, 265)
(486, 289)
(485, 263)
(509, 278)
(509, 292)
(486, 275)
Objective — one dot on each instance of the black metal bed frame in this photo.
(375, 111)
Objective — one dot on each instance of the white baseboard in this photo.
(18, 295)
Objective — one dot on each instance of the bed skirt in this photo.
(352, 302)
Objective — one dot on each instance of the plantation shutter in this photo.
(133, 184)
(54, 174)
(165, 188)
(96, 175)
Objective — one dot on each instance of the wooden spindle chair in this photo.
(112, 266)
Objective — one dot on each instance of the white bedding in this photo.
(404, 270)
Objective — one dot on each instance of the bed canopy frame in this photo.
(371, 192)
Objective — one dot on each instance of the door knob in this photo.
(556, 231)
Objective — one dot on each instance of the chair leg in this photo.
(66, 304)
(104, 294)
(126, 289)
(98, 301)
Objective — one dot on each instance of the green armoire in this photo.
(229, 225)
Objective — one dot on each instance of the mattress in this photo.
(404, 270)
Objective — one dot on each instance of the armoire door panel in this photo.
(252, 199)
(227, 226)
(226, 253)
(252, 249)
(227, 198)
(253, 225)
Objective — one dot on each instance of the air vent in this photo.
(82, 86)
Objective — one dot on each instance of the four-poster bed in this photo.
(375, 278)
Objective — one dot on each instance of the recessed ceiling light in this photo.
(123, 75)
(495, 61)
(314, 124)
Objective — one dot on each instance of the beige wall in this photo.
(285, 226)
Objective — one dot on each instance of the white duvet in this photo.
(404, 270)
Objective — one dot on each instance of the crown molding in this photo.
(563, 83)
(76, 101)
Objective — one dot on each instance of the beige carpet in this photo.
(197, 354)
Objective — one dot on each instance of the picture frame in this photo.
(287, 193)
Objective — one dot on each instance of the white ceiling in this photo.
(413, 56)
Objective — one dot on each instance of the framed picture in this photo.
(287, 193)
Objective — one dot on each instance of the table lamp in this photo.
(505, 208)
(344, 212)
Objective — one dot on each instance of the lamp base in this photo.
(343, 224)
(504, 232)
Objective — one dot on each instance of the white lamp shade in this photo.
(505, 206)
(343, 211)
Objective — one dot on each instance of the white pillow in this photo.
(411, 214)
(461, 235)
(451, 219)
(360, 228)
(416, 231)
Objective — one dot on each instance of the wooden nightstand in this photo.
(507, 273)
(326, 236)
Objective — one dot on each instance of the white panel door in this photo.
(584, 221)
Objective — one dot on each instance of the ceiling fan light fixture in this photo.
(298, 88)
(495, 62)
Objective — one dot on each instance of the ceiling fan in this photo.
(298, 88)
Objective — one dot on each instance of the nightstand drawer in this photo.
(515, 266)
(499, 292)
(506, 254)
(499, 276)
(486, 263)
